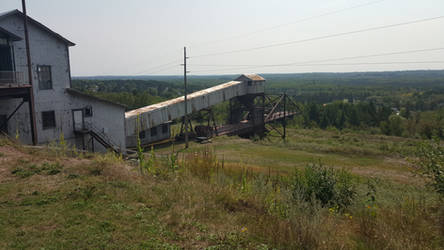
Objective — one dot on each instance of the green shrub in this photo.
(330, 187)
(430, 164)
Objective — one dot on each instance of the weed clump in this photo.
(329, 187)
(32, 169)
(202, 164)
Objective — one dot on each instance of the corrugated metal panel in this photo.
(160, 113)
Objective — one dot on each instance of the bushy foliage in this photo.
(328, 186)
(393, 126)
(430, 164)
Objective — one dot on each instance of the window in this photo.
(154, 131)
(48, 119)
(250, 83)
(142, 135)
(44, 75)
(164, 128)
(88, 111)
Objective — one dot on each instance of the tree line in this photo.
(370, 116)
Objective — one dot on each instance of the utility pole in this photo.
(186, 93)
(284, 123)
(31, 90)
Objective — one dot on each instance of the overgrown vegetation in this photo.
(430, 164)
(332, 188)
(197, 200)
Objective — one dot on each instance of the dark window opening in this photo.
(250, 83)
(48, 119)
(5, 59)
(164, 128)
(154, 131)
(142, 135)
(45, 78)
(88, 111)
(3, 124)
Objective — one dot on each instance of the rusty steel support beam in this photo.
(277, 130)
(273, 109)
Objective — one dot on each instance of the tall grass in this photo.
(305, 210)
(193, 200)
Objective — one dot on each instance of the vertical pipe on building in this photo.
(31, 89)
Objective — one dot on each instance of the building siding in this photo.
(46, 49)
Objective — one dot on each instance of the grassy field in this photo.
(368, 155)
(231, 194)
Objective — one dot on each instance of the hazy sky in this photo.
(117, 37)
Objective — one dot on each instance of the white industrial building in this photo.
(85, 121)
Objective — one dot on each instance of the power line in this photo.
(175, 62)
(321, 37)
(333, 64)
(322, 60)
(163, 69)
(274, 27)
(291, 23)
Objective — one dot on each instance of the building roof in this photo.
(10, 35)
(81, 94)
(253, 77)
(38, 24)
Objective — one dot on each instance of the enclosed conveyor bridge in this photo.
(147, 119)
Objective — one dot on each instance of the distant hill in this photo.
(381, 87)
(272, 76)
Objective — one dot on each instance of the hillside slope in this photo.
(51, 200)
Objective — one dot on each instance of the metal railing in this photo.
(91, 127)
(11, 79)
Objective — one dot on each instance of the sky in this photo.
(147, 37)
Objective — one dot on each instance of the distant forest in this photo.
(405, 103)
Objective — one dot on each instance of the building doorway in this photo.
(79, 119)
